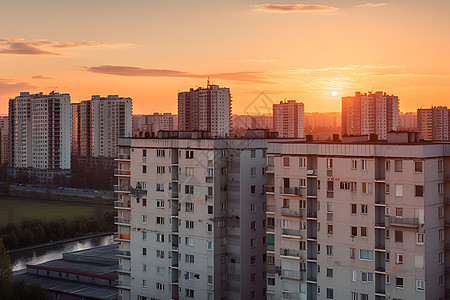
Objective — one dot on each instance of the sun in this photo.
(334, 93)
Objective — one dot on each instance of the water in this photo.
(20, 260)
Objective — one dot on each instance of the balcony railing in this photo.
(289, 252)
(270, 208)
(270, 169)
(209, 179)
(291, 274)
(294, 232)
(291, 296)
(124, 156)
(270, 247)
(119, 204)
(121, 220)
(121, 188)
(288, 190)
(124, 253)
(269, 189)
(404, 222)
(290, 212)
(124, 236)
(122, 172)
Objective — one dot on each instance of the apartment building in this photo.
(39, 135)
(4, 140)
(434, 123)
(288, 119)
(205, 109)
(191, 217)
(358, 220)
(370, 113)
(149, 125)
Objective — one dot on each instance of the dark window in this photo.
(399, 236)
(419, 190)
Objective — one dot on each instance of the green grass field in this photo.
(42, 209)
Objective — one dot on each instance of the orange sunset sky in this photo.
(150, 50)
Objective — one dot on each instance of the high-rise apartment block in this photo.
(434, 123)
(407, 121)
(288, 119)
(191, 218)
(97, 125)
(358, 220)
(372, 113)
(205, 109)
(39, 134)
(149, 125)
(4, 140)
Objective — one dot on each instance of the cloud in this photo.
(9, 86)
(294, 8)
(250, 77)
(371, 4)
(42, 77)
(41, 47)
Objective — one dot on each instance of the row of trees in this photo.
(11, 289)
(35, 231)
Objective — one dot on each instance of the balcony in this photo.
(287, 190)
(175, 176)
(404, 222)
(123, 269)
(122, 188)
(272, 269)
(121, 220)
(290, 252)
(209, 179)
(270, 169)
(291, 274)
(270, 247)
(126, 253)
(124, 157)
(122, 204)
(290, 296)
(122, 284)
(291, 232)
(290, 212)
(269, 189)
(118, 172)
(270, 209)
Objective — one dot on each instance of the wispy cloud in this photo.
(42, 77)
(272, 7)
(371, 4)
(42, 47)
(10, 86)
(246, 76)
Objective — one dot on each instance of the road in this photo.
(66, 191)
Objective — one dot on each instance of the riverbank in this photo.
(59, 242)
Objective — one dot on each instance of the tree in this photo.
(6, 274)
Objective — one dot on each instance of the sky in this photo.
(264, 51)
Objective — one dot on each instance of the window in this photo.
(189, 258)
(189, 241)
(353, 275)
(364, 296)
(398, 236)
(160, 170)
(144, 283)
(285, 161)
(159, 203)
(144, 169)
(398, 166)
(253, 277)
(144, 219)
(353, 253)
(188, 189)
(399, 258)
(330, 250)
(399, 212)
(210, 191)
(253, 243)
(387, 165)
(189, 293)
(144, 235)
(330, 186)
(365, 254)
(354, 164)
(210, 209)
(329, 272)
(253, 172)
(210, 279)
(160, 270)
(252, 153)
(302, 162)
(330, 229)
(364, 209)
(144, 251)
(252, 207)
(189, 275)
(366, 277)
(441, 280)
(364, 164)
(189, 154)
(364, 231)
(144, 267)
(329, 207)
(189, 171)
(189, 224)
(285, 223)
(159, 237)
(189, 206)
(144, 202)
(419, 190)
(209, 245)
(441, 234)
(386, 188)
(441, 257)
(160, 153)
(388, 279)
(209, 228)
(160, 253)
(418, 166)
(160, 220)
(399, 190)
(270, 281)
(330, 293)
(253, 260)
(354, 231)
(253, 189)
(440, 188)
(399, 282)
(420, 285)
(253, 225)
(440, 165)
(366, 188)
(160, 187)
(420, 238)
(329, 163)
(353, 209)
(302, 182)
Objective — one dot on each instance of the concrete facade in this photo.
(288, 119)
(434, 123)
(357, 221)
